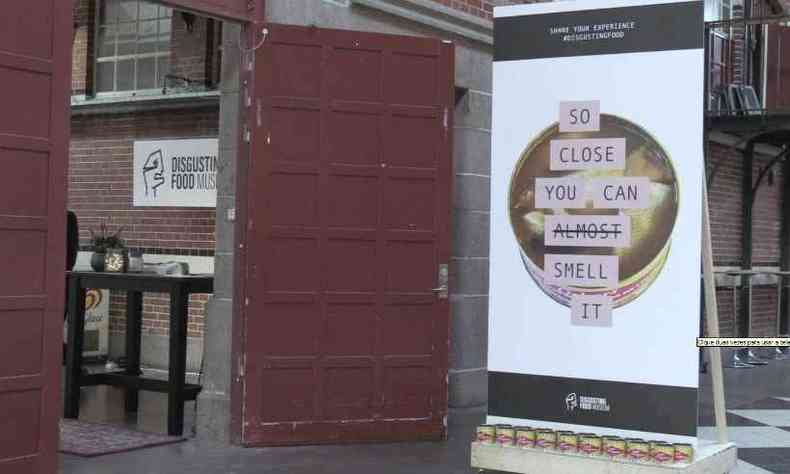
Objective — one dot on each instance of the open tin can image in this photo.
(651, 226)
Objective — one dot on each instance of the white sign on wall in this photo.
(176, 173)
(596, 217)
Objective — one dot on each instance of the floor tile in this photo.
(744, 467)
(771, 403)
(768, 417)
(752, 436)
(732, 420)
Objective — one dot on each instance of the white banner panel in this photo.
(176, 173)
(597, 125)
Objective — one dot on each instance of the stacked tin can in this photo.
(589, 444)
(525, 437)
(505, 435)
(614, 447)
(546, 439)
(567, 442)
(637, 450)
(486, 434)
(684, 454)
(662, 453)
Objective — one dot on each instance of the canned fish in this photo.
(663, 453)
(684, 453)
(486, 434)
(525, 437)
(614, 447)
(567, 442)
(546, 439)
(590, 444)
(505, 435)
(638, 450)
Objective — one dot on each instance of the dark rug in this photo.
(93, 439)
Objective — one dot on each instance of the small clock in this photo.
(115, 260)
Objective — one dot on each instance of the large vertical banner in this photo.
(596, 217)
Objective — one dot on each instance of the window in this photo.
(718, 10)
(132, 46)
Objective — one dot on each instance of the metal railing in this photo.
(748, 66)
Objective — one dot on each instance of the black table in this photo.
(178, 391)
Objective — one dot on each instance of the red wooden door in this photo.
(35, 75)
(348, 209)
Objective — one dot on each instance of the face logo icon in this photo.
(154, 172)
(92, 299)
(570, 402)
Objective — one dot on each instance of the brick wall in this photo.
(100, 180)
(82, 51)
(100, 189)
(100, 168)
(481, 8)
(189, 58)
(726, 229)
(725, 208)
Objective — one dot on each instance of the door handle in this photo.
(440, 289)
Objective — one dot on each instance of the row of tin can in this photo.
(632, 449)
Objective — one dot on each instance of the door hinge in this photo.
(247, 133)
(443, 290)
(247, 98)
(446, 118)
(241, 368)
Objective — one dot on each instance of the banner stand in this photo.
(711, 458)
(712, 320)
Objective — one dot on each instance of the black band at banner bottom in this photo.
(645, 28)
(620, 405)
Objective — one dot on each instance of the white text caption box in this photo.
(588, 154)
(580, 116)
(586, 271)
(588, 231)
(591, 310)
(560, 193)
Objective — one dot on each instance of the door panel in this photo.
(35, 71)
(348, 221)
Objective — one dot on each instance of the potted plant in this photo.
(101, 242)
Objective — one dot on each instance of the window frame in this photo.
(115, 58)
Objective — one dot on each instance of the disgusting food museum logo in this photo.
(593, 203)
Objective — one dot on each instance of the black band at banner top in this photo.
(619, 405)
(663, 27)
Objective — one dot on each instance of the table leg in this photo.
(179, 304)
(134, 323)
(76, 318)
